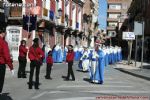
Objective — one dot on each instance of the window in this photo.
(112, 24)
(115, 6)
(124, 6)
(113, 15)
(111, 33)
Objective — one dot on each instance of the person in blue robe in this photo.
(93, 66)
(54, 53)
(65, 54)
(80, 55)
(59, 55)
(99, 75)
(120, 54)
(106, 58)
(85, 59)
(76, 54)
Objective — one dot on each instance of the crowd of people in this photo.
(91, 59)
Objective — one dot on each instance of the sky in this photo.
(102, 14)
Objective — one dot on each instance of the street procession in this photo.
(70, 44)
(74, 49)
(92, 60)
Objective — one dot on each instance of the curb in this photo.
(133, 74)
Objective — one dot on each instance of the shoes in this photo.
(30, 85)
(36, 86)
(73, 79)
(19, 77)
(64, 76)
(24, 76)
(48, 77)
(66, 79)
(101, 82)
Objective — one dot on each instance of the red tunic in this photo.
(49, 60)
(22, 51)
(35, 54)
(70, 56)
(5, 57)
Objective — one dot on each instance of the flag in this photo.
(77, 25)
(29, 24)
(33, 21)
(45, 11)
(25, 21)
(51, 15)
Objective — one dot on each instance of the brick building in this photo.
(57, 22)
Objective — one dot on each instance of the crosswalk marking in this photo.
(39, 95)
(116, 91)
(55, 92)
(78, 98)
(91, 86)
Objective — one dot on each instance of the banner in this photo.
(51, 15)
(29, 23)
(45, 12)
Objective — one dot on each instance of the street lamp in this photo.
(60, 12)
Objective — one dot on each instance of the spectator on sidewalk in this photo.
(36, 56)
(69, 60)
(49, 61)
(22, 59)
(5, 58)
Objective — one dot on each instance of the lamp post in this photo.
(130, 42)
(60, 12)
(142, 42)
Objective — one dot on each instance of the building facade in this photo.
(116, 15)
(90, 21)
(52, 21)
(139, 11)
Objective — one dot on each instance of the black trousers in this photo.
(34, 65)
(22, 67)
(48, 70)
(70, 71)
(2, 76)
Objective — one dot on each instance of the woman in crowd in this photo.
(22, 59)
(35, 55)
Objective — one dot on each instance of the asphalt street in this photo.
(116, 84)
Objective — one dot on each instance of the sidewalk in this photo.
(137, 71)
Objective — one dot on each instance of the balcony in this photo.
(114, 11)
(15, 13)
(114, 1)
(111, 28)
(112, 19)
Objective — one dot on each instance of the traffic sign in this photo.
(138, 28)
(128, 36)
